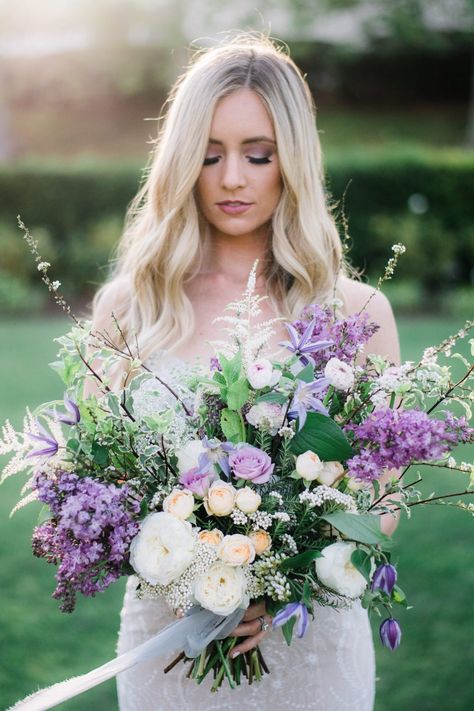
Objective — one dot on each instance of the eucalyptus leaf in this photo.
(322, 436)
(364, 528)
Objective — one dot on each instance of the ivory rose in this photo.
(188, 455)
(331, 472)
(162, 549)
(236, 549)
(213, 537)
(339, 374)
(335, 570)
(261, 540)
(261, 374)
(221, 589)
(179, 503)
(309, 466)
(220, 498)
(247, 500)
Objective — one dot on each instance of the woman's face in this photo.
(240, 183)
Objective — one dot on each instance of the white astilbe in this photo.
(244, 336)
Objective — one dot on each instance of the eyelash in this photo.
(256, 161)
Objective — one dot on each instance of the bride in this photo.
(236, 176)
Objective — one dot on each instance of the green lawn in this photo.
(431, 670)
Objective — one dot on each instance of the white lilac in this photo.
(326, 494)
(261, 519)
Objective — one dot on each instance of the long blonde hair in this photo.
(164, 238)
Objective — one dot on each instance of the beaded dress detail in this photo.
(331, 668)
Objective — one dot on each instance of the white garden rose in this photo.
(261, 374)
(339, 374)
(220, 498)
(221, 589)
(179, 503)
(309, 466)
(162, 549)
(188, 455)
(236, 549)
(331, 472)
(247, 500)
(335, 570)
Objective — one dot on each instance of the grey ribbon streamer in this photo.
(190, 634)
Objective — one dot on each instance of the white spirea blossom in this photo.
(188, 455)
(179, 503)
(247, 500)
(221, 589)
(326, 494)
(261, 519)
(339, 374)
(335, 570)
(162, 549)
(261, 374)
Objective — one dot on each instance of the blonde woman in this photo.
(237, 176)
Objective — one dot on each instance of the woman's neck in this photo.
(232, 258)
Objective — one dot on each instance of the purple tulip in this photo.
(390, 633)
(293, 609)
(50, 446)
(384, 578)
(301, 344)
(251, 463)
(198, 480)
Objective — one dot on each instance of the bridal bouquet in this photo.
(253, 478)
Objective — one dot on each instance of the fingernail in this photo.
(234, 655)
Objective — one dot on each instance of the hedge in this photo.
(422, 199)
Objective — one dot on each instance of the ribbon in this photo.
(191, 633)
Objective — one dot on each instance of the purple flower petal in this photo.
(390, 633)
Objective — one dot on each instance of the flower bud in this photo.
(384, 578)
(390, 633)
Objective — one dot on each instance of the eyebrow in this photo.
(255, 139)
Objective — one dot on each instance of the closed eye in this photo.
(257, 161)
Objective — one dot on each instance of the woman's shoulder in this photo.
(358, 296)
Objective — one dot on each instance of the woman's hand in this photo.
(251, 628)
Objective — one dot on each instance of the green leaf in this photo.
(237, 394)
(73, 444)
(232, 427)
(231, 369)
(363, 562)
(100, 454)
(322, 436)
(280, 398)
(399, 596)
(300, 561)
(307, 374)
(364, 528)
(287, 629)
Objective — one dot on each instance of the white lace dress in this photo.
(331, 668)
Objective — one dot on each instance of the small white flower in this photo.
(221, 589)
(188, 455)
(55, 285)
(42, 266)
(162, 549)
(247, 500)
(261, 374)
(265, 415)
(309, 466)
(335, 570)
(339, 374)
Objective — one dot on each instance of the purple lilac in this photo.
(397, 438)
(89, 535)
(346, 335)
(390, 633)
(293, 609)
(384, 578)
(250, 463)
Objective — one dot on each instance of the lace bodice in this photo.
(330, 669)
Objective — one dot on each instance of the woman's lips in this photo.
(234, 209)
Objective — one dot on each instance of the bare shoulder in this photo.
(357, 295)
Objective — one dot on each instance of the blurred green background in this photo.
(81, 85)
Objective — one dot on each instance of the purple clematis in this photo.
(293, 609)
(73, 410)
(50, 445)
(390, 633)
(300, 345)
(384, 578)
(216, 452)
(305, 399)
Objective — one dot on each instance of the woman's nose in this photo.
(233, 175)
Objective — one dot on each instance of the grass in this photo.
(431, 670)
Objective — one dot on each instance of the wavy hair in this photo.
(164, 239)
